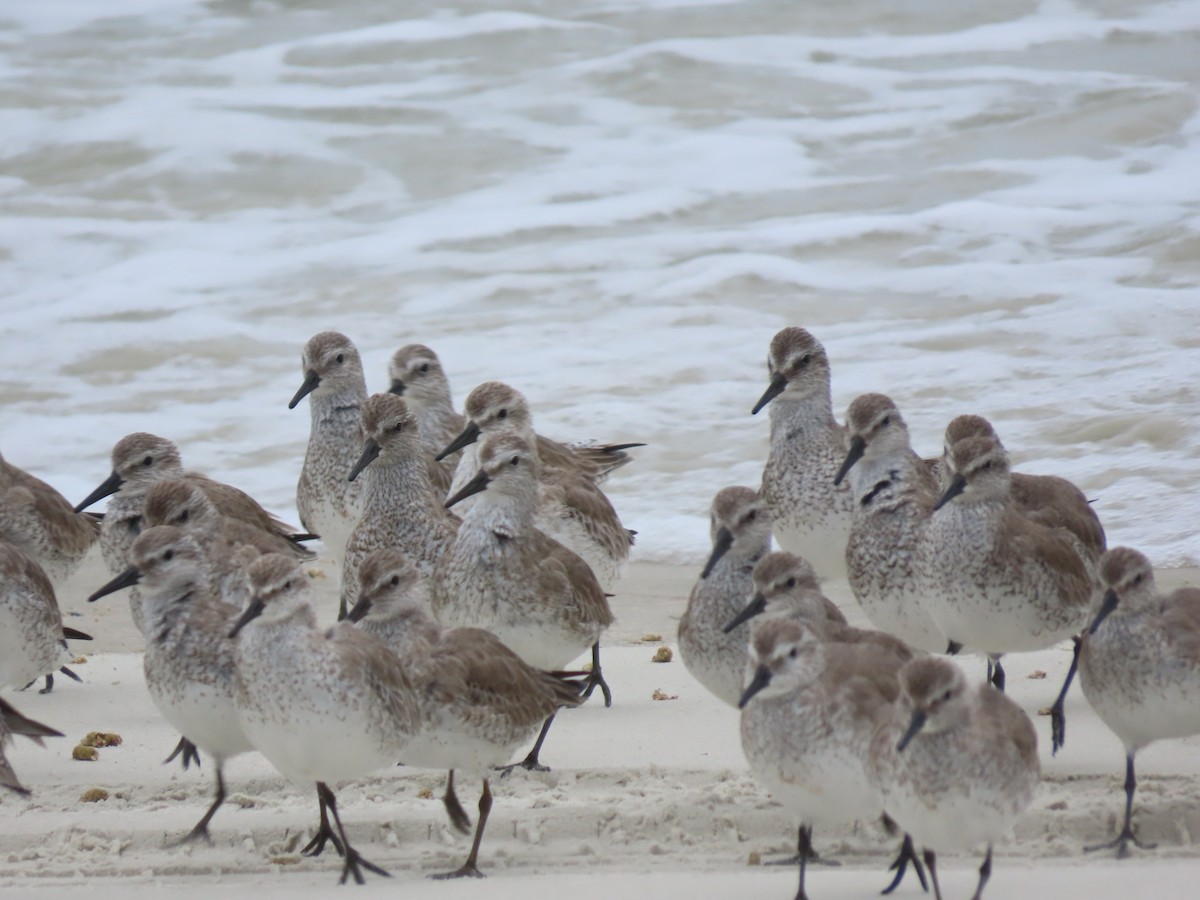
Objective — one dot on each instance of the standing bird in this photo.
(479, 701)
(37, 519)
(139, 461)
(226, 544)
(416, 374)
(328, 504)
(1046, 499)
(322, 705)
(957, 764)
(809, 713)
(993, 578)
(12, 722)
(33, 641)
(741, 535)
(786, 585)
(1139, 663)
(810, 515)
(571, 508)
(894, 492)
(488, 410)
(400, 507)
(188, 661)
(505, 576)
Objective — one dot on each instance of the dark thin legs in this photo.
(470, 869)
(1058, 716)
(353, 862)
(596, 678)
(996, 673)
(188, 751)
(316, 846)
(201, 829)
(805, 851)
(530, 762)
(1125, 838)
(985, 872)
(931, 865)
(908, 854)
(458, 816)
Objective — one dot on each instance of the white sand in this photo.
(652, 795)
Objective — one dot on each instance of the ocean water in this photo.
(612, 205)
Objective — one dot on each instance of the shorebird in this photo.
(1139, 662)
(740, 528)
(416, 374)
(479, 701)
(399, 505)
(33, 641)
(786, 584)
(12, 722)
(957, 764)
(1047, 499)
(322, 705)
(226, 545)
(992, 578)
(571, 508)
(894, 492)
(188, 663)
(139, 461)
(809, 513)
(494, 408)
(37, 519)
(328, 504)
(809, 713)
(504, 575)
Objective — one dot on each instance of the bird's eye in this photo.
(806, 359)
(751, 516)
(341, 358)
(148, 461)
(791, 582)
(169, 555)
(183, 516)
(793, 653)
(515, 460)
(395, 580)
(887, 420)
(287, 585)
(1138, 579)
(503, 414)
(424, 367)
(399, 426)
(946, 696)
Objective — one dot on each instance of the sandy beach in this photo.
(651, 796)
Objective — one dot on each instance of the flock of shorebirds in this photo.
(477, 558)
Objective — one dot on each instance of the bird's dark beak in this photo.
(109, 486)
(360, 608)
(474, 486)
(128, 578)
(370, 452)
(756, 605)
(914, 725)
(857, 447)
(469, 435)
(762, 677)
(253, 611)
(774, 389)
(720, 547)
(397, 387)
(311, 381)
(1110, 603)
(956, 487)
